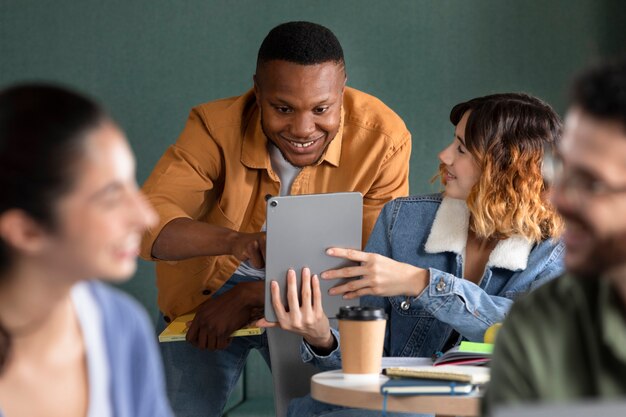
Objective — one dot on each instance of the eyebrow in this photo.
(107, 189)
(592, 173)
(460, 139)
(286, 103)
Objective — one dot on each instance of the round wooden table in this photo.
(331, 387)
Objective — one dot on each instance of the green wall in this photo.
(150, 61)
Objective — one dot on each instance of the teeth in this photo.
(301, 145)
(131, 244)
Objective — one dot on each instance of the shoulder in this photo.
(419, 206)
(561, 297)
(226, 112)
(118, 307)
(423, 201)
(364, 111)
(547, 320)
(548, 254)
(433, 200)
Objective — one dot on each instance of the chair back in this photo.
(291, 376)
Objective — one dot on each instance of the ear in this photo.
(22, 232)
(343, 86)
(257, 90)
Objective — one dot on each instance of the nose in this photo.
(303, 126)
(446, 156)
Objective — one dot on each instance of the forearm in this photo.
(185, 238)
(253, 297)
(462, 304)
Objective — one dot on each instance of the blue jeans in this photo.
(199, 382)
(308, 407)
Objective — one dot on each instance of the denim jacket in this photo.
(431, 232)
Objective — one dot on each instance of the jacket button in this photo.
(441, 285)
(405, 305)
(206, 292)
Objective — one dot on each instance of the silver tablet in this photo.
(299, 230)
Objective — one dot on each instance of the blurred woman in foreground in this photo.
(70, 210)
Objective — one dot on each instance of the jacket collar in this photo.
(254, 152)
(449, 234)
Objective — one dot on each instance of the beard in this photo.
(606, 252)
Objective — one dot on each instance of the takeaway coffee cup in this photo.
(362, 332)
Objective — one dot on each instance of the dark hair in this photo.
(302, 43)
(507, 134)
(601, 91)
(41, 141)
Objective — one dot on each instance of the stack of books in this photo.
(430, 380)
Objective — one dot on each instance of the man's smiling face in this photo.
(300, 107)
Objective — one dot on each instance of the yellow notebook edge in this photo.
(176, 331)
(426, 374)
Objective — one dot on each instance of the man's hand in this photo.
(218, 317)
(249, 246)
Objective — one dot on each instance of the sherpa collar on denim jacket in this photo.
(449, 234)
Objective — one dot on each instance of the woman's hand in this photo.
(380, 275)
(308, 320)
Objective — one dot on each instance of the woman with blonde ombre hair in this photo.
(446, 267)
(506, 134)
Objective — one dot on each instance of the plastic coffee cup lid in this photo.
(359, 313)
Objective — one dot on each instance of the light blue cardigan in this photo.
(137, 386)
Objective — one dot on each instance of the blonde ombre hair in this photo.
(507, 134)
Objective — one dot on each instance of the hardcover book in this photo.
(417, 386)
(176, 331)
(475, 375)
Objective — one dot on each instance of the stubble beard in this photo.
(606, 256)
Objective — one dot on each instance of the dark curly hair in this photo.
(601, 91)
(303, 43)
(42, 131)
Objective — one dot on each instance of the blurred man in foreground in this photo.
(567, 340)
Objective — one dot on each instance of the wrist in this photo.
(323, 345)
(230, 240)
(420, 279)
(253, 293)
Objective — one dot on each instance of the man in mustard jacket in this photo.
(300, 130)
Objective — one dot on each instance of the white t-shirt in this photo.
(90, 319)
(91, 326)
(287, 174)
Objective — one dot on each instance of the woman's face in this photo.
(101, 221)
(458, 168)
